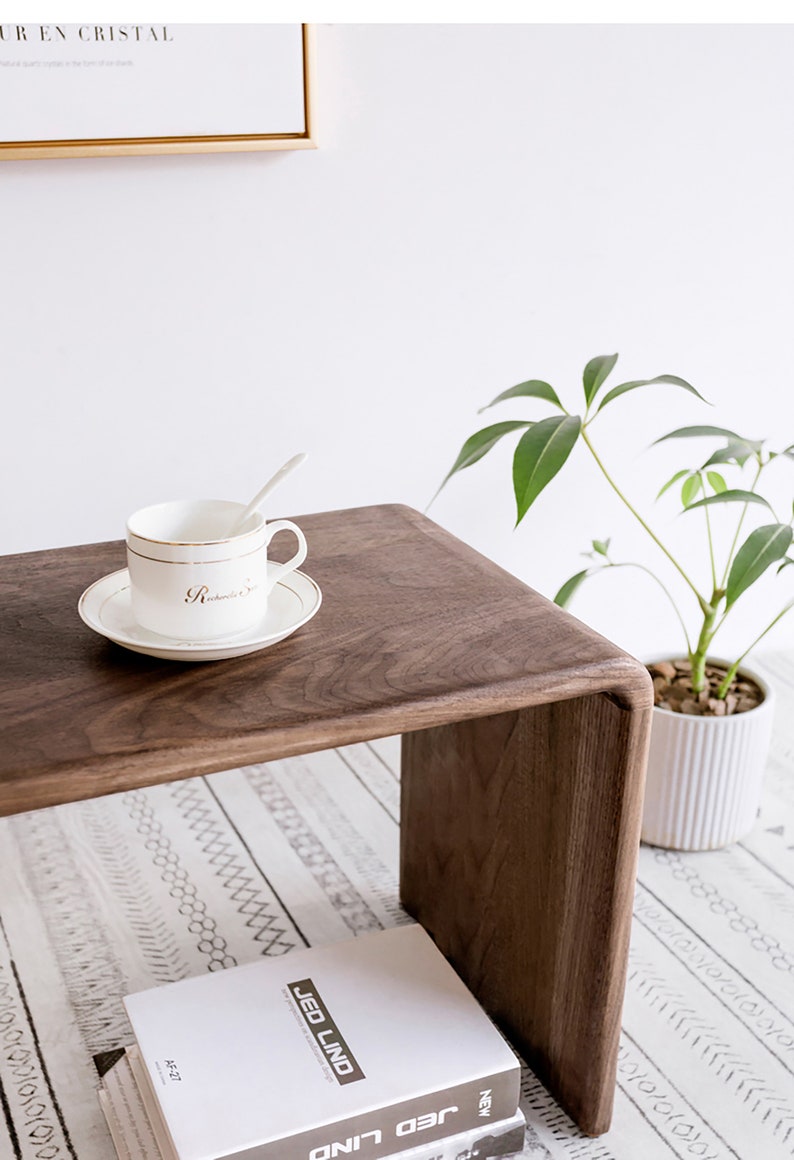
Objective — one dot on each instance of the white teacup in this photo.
(190, 579)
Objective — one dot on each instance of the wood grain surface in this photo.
(519, 842)
(525, 737)
(416, 629)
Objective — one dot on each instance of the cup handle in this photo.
(279, 571)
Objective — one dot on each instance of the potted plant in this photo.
(712, 719)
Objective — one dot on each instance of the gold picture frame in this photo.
(225, 143)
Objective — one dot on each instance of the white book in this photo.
(367, 1047)
(134, 1139)
(128, 1119)
(117, 1133)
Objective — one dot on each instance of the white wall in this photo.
(488, 203)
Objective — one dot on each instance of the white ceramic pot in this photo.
(703, 786)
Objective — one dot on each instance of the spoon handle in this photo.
(260, 496)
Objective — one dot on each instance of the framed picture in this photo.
(81, 90)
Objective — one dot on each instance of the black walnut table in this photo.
(524, 747)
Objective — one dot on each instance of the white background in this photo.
(488, 203)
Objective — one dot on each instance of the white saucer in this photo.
(106, 607)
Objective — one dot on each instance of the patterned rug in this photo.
(101, 898)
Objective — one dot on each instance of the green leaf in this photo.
(716, 481)
(601, 546)
(691, 487)
(481, 442)
(761, 548)
(563, 597)
(737, 453)
(533, 388)
(732, 495)
(788, 560)
(678, 475)
(789, 451)
(631, 386)
(697, 432)
(540, 454)
(595, 374)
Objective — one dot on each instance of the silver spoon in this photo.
(261, 495)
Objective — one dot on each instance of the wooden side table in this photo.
(524, 747)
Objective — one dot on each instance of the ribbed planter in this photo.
(704, 777)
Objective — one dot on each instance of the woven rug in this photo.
(101, 898)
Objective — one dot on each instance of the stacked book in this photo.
(369, 1048)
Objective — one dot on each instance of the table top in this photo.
(416, 629)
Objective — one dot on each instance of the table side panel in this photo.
(519, 842)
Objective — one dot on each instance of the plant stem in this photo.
(739, 527)
(698, 658)
(653, 576)
(725, 683)
(701, 601)
(711, 541)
